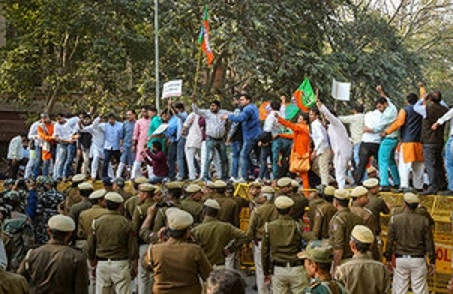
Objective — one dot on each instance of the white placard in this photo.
(172, 89)
(160, 130)
(341, 91)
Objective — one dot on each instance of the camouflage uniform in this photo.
(48, 201)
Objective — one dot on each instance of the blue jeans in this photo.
(449, 162)
(156, 180)
(236, 147)
(212, 144)
(181, 158)
(386, 159)
(246, 158)
(67, 168)
(265, 153)
(127, 156)
(108, 154)
(62, 155)
(172, 155)
(45, 167)
(38, 161)
(280, 147)
(355, 154)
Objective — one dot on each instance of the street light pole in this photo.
(156, 41)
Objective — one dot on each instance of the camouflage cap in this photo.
(13, 195)
(318, 252)
(119, 181)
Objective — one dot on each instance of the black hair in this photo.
(152, 108)
(247, 96)
(226, 281)
(86, 192)
(177, 234)
(58, 235)
(359, 108)
(324, 266)
(87, 115)
(412, 98)
(209, 211)
(411, 206)
(111, 115)
(220, 190)
(179, 105)
(315, 110)
(112, 205)
(61, 115)
(133, 111)
(381, 100)
(275, 105)
(361, 247)
(435, 97)
(216, 102)
(328, 198)
(157, 145)
(23, 135)
(284, 211)
(343, 202)
(304, 115)
(175, 193)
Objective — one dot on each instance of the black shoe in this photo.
(446, 193)
(429, 191)
(384, 189)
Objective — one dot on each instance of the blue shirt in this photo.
(112, 135)
(127, 133)
(250, 119)
(182, 116)
(171, 132)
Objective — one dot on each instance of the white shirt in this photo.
(33, 133)
(447, 117)
(271, 123)
(319, 137)
(98, 138)
(372, 118)
(15, 149)
(66, 130)
(338, 134)
(194, 135)
(356, 124)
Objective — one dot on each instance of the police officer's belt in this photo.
(110, 259)
(409, 256)
(215, 139)
(293, 263)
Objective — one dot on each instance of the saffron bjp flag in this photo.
(203, 38)
(304, 96)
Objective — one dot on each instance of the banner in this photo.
(172, 89)
(341, 91)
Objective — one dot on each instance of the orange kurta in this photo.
(412, 151)
(46, 154)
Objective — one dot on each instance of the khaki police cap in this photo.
(317, 252)
(219, 184)
(174, 185)
(294, 184)
(329, 190)
(212, 203)
(362, 234)
(61, 223)
(359, 192)
(170, 210)
(141, 180)
(210, 184)
(179, 220)
(157, 190)
(114, 197)
(371, 183)
(283, 182)
(98, 194)
(78, 178)
(283, 202)
(371, 169)
(146, 187)
(85, 186)
(267, 189)
(193, 188)
(342, 194)
(411, 198)
(256, 184)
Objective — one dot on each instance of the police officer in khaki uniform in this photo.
(192, 203)
(131, 203)
(281, 243)
(84, 228)
(228, 207)
(55, 267)
(177, 265)
(118, 187)
(361, 274)
(146, 196)
(323, 215)
(261, 214)
(71, 194)
(254, 192)
(13, 283)
(85, 191)
(317, 262)
(315, 199)
(218, 239)
(410, 239)
(341, 226)
(300, 202)
(112, 248)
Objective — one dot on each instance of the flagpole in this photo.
(200, 52)
(156, 61)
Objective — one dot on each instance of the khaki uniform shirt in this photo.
(112, 237)
(341, 226)
(260, 216)
(72, 196)
(228, 210)
(410, 234)
(177, 267)
(129, 206)
(321, 223)
(214, 235)
(300, 203)
(421, 210)
(77, 209)
(126, 195)
(281, 242)
(377, 206)
(367, 217)
(86, 219)
(139, 215)
(13, 283)
(56, 268)
(361, 274)
(312, 205)
(195, 208)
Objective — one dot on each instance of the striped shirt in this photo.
(215, 126)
